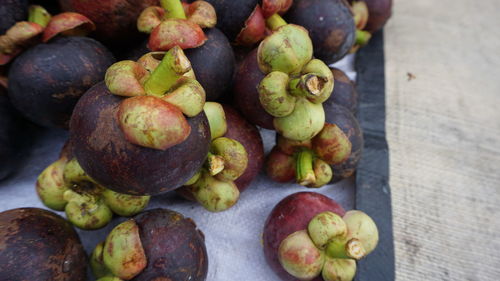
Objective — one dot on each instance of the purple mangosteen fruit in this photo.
(46, 81)
(36, 244)
(308, 236)
(157, 244)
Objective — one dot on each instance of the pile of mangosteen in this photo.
(183, 108)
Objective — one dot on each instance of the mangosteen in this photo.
(46, 81)
(64, 186)
(344, 93)
(36, 244)
(213, 63)
(209, 51)
(131, 133)
(157, 244)
(332, 155)
(309, 236)
(241, 21)
(330, 24)
(347, 122)
(12, 11)
(234, 159)
(114, 162)
(293, 87)
(8, 136)
(115, 20)
(246, 95)
(248, 135)
(379, 11)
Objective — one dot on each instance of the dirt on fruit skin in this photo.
(36, 244)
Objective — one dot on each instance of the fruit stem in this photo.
(346, 249)
(307, 85)
(304, 167)
(215, 163)
(173, 9)
(362, 37)
(275, 21)
(37, 14)
(172, 67)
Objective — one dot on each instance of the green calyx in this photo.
(273, 55)
(322, 87)
(123, 204)
(188, 95)
(173, 9)
(64, 186)
(216, 119)
(234, 156)
(338, 269)
(97, 265)
(213, 186)
(173, 66)
(274, 96)
(330, 246)
(162, 89)
(311, 171)
(304, 167)
(363, 228)
(213, 194)
(123, 254)
(332, 145)
(325, 227)
(51, 186)
(300, 257)
(37, 14)
(275, 21)
(306, 120)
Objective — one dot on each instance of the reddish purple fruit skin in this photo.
(292, 214)
(248, 135)
(105, 155)
(174, 247)
(246, 96)
(115, 20)
(330, 24)
(345, 120)
(379, 12)
(36, 244)
(344, 93)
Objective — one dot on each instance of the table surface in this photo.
(443, 131)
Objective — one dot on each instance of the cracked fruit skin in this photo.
(108, 158)
(12, 11)
(345, 120)
(39, 245)
(46, 81)
(290, 215)
(330, 24)
(173, 246)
